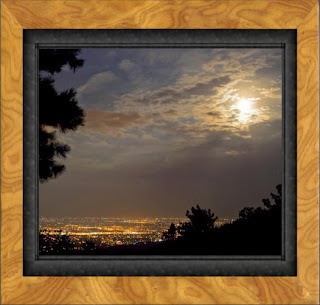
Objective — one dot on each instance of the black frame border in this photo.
(155, 265)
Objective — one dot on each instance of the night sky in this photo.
(166, 129)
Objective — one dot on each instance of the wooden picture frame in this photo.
(17, 15)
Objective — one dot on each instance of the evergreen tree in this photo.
(171, 233)
(58, 111)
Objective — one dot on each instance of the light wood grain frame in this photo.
(17, 15)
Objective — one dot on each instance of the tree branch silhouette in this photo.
(58, 111)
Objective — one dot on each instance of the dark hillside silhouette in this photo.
(256, 229)
(57, 110)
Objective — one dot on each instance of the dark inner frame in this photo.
(156, 265)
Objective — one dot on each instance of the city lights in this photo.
(105, 231)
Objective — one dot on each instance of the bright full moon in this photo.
(245, 108)
(244, 105)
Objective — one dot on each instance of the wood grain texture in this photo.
(17, 15)
(161, 14)
(308, 152)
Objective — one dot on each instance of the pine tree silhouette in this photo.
(58, 111)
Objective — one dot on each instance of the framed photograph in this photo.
(124, 128)
(153, 139)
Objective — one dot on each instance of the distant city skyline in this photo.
(166, 129)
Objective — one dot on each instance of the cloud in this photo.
(98, 119)
(214, 113)
(186, 111)
(126, 64)
(97, 80)
(176, 93)
(271, 92)
(171, 112)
